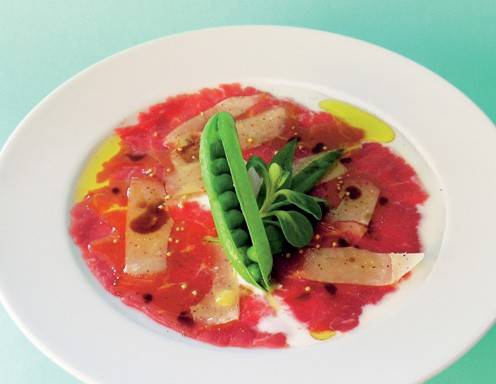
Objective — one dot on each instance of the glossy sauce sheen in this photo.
(99, 221)
(151, 220)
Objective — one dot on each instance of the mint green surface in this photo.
(43, 43)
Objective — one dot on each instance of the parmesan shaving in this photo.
(357, 266)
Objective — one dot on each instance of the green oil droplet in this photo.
(375, 129)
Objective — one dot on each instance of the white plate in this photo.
(57, 303)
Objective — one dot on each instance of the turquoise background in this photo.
(43, 43)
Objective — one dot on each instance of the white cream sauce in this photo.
(284, 321)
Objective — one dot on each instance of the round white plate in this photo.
(58, 304)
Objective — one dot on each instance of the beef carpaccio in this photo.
(146, 231)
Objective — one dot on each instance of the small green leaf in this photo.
(275, 174)
(278, 176)
(296, 227)
(268, 221)
(305, 202)
(323, 203)
(306, 178)
(285, 156)
(284, 179)
(276, 238)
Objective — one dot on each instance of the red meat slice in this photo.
(395, 178)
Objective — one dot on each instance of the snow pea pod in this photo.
(233, 202)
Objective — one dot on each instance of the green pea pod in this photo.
(246, 197)
(246, 244)
(308, 176)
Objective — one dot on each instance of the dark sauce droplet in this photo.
(346, 160)
(185, 318)
(353, 192)
(319, 147)
(151, 220)
(383, 200)
(136, 156)
(116, 191)
(343, 243)
(147, 297)
(330, 288)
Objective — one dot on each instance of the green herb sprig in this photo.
(287, 212)
(253, 226)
